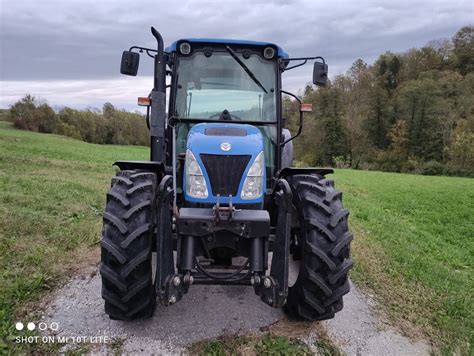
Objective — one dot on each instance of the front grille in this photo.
(225, 172)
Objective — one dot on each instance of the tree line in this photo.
(106, 126)
(408, 112)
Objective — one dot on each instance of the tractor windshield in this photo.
(208, 85)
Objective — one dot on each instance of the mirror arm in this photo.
(141, 49)
(297, 65)
(301, 118)
(305, 60)
(149, 54)
(147, 50)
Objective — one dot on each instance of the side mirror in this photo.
(129, 64)
(320, 74)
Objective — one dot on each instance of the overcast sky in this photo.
(68, 52)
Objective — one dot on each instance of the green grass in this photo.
(267, 344)
(414, 235)
(52, 192)
(221, 346)
(280, 345)
(282, 338)
(414, 246)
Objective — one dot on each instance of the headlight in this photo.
(195, 182)
(253, 184)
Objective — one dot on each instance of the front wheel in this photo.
(127, 245)
(321, 246)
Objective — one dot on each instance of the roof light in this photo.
(185, 48)
(269, 52)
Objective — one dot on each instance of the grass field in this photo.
(413, 246)
(52, 192)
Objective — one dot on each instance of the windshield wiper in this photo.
(247, 70)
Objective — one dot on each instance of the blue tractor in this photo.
(219, 201)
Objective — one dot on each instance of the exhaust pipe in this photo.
(158, 104)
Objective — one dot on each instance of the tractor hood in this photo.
(225, 139)
(225, 152)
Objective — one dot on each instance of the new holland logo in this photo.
(225, 146)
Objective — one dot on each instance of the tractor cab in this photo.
(230, 89)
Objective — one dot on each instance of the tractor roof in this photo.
(281, 52)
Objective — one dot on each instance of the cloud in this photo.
(55, 47)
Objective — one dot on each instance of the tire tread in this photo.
(126, 246)
(325, 243)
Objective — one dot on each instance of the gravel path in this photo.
(209, 311)
(357, 331)
(205, 312)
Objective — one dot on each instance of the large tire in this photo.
(323, 245)
(127, 244)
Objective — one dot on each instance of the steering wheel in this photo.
(224, 114)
